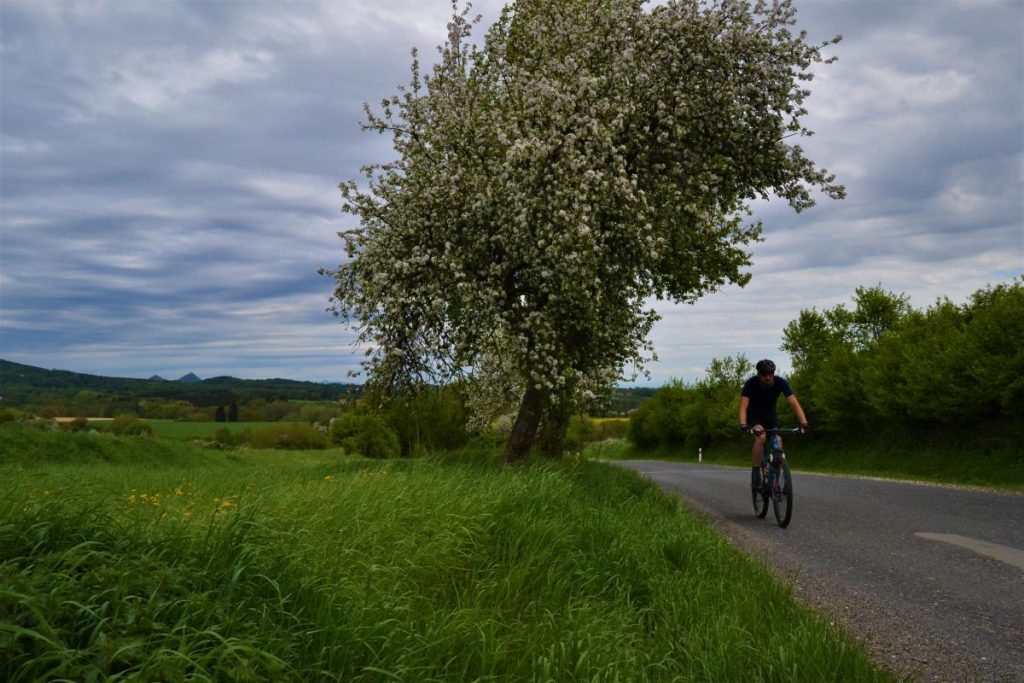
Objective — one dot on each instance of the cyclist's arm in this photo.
(795, 404)
(744, 403)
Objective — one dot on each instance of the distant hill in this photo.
(26, 384)
(157, 378)
(16, 374)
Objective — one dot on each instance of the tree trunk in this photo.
(552, 432)
(524, 431)
(556, 421)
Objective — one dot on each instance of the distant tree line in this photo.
(876, 365)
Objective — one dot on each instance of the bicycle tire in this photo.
(782, 499)
(760, 497)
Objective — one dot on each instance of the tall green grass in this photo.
(181, 563)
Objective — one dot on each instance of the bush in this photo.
(638, 432)
(79, 424)
(287, 436)
(45, 424)
(318, 413)
(367, 435)
(430, 419)
(948, 364)
(658, 422)
(581, 431)
(127, 424)
(344, 427)
(224, 436)
(681, 416)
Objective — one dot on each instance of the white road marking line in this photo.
(1002, 553)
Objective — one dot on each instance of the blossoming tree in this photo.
(593, 154)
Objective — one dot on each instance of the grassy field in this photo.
(149, 558)
(972, 459)
(172, 429)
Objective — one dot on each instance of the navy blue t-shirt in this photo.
(761, 409)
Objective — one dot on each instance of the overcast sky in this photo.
(169, 177)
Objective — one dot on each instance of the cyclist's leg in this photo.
(756, 452)
(757, 448)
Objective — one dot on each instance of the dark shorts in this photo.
(766, 422)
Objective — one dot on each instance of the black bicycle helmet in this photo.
(765, 366)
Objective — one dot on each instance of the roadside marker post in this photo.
(700, 455)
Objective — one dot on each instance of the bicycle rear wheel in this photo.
(782, 497)
(760, 497)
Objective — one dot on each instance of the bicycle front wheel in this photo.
(760, 497)
(782, 495)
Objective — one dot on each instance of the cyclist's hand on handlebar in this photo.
(745, 428)
(804, 428)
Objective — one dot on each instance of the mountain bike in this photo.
(776, 481)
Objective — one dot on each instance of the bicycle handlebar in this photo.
(779, 430)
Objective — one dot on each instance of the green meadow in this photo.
(181, 430)
(151, 559)
(184, 430)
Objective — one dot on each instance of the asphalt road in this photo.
(930, 578)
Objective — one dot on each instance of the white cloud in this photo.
(883, 91)
(298, 188)
(169, 79)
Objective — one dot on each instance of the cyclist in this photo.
(757, 410)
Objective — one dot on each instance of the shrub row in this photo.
(876, 365)
(882, 363)
(692, 415)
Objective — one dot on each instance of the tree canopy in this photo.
(590, 156)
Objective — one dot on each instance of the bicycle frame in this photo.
(772, 444)
(776, 482)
